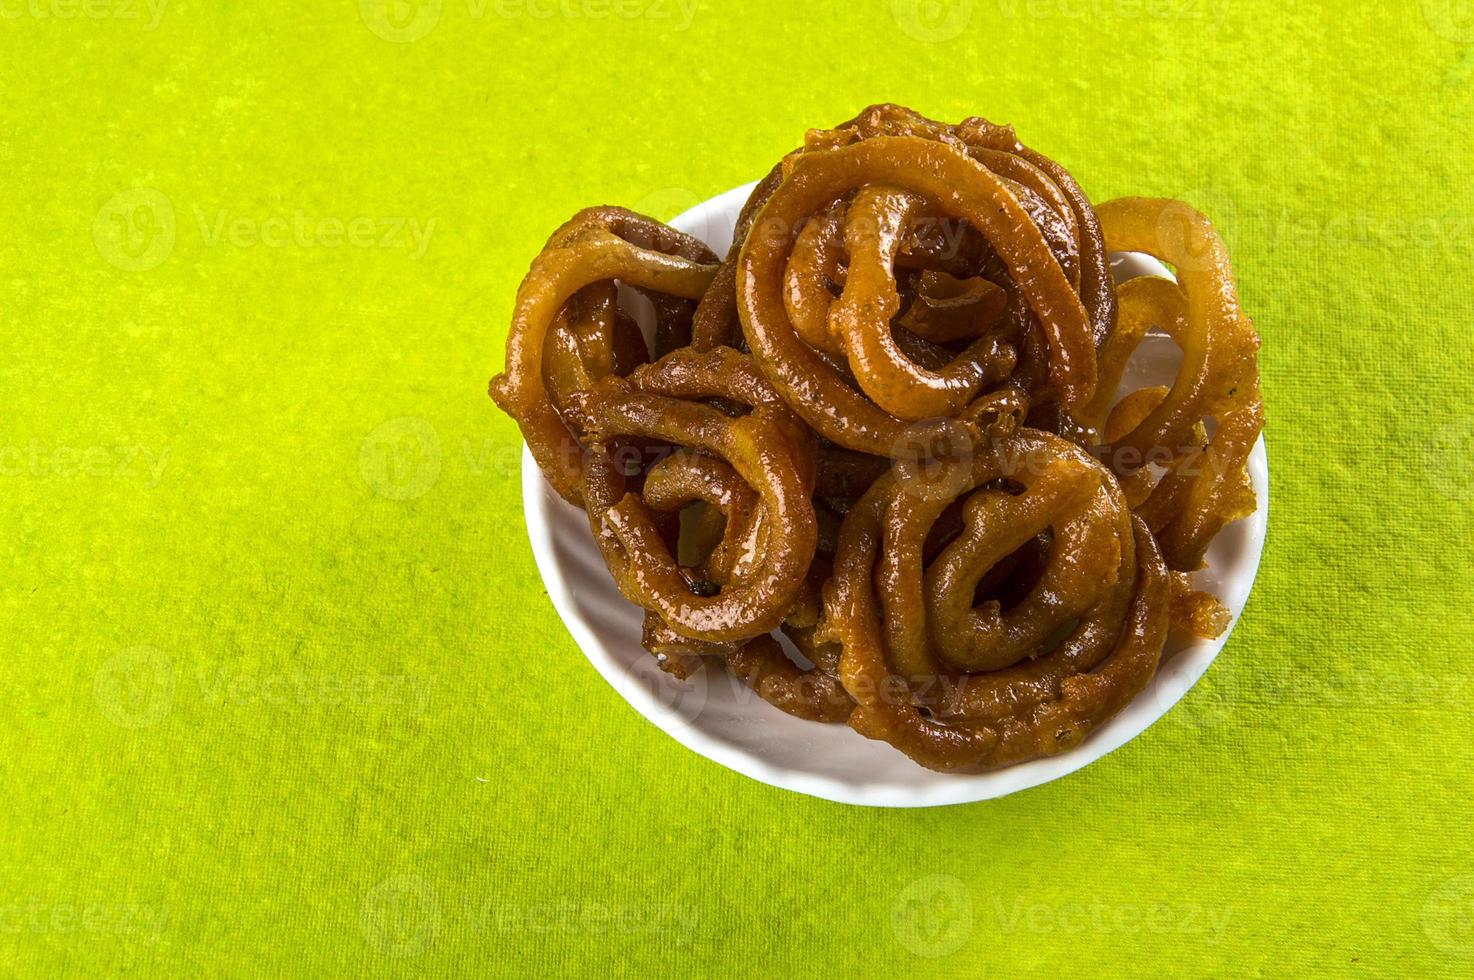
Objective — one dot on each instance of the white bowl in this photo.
(717, 716)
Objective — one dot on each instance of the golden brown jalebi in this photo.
(888, 430)
(751, 463)
(593, 250)
(760, 465)
(715, 323)
(1206, 484)
(939, 666)
(872, 415)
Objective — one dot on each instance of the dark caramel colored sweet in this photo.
(887, 429)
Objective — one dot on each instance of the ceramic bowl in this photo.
(718, 717)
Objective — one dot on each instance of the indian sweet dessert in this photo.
(888, 426)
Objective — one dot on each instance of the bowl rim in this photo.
(1149, 705)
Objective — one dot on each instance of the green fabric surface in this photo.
(282, 692)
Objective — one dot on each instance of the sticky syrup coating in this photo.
(877, 462)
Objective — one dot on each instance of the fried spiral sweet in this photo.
(1206, 484)
(583, 259)
(877, 462)
(757, 467)
(891, 389)
(751, 463)
(938, 666)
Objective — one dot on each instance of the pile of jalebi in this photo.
(888, 427)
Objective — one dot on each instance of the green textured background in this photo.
(282, 693)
